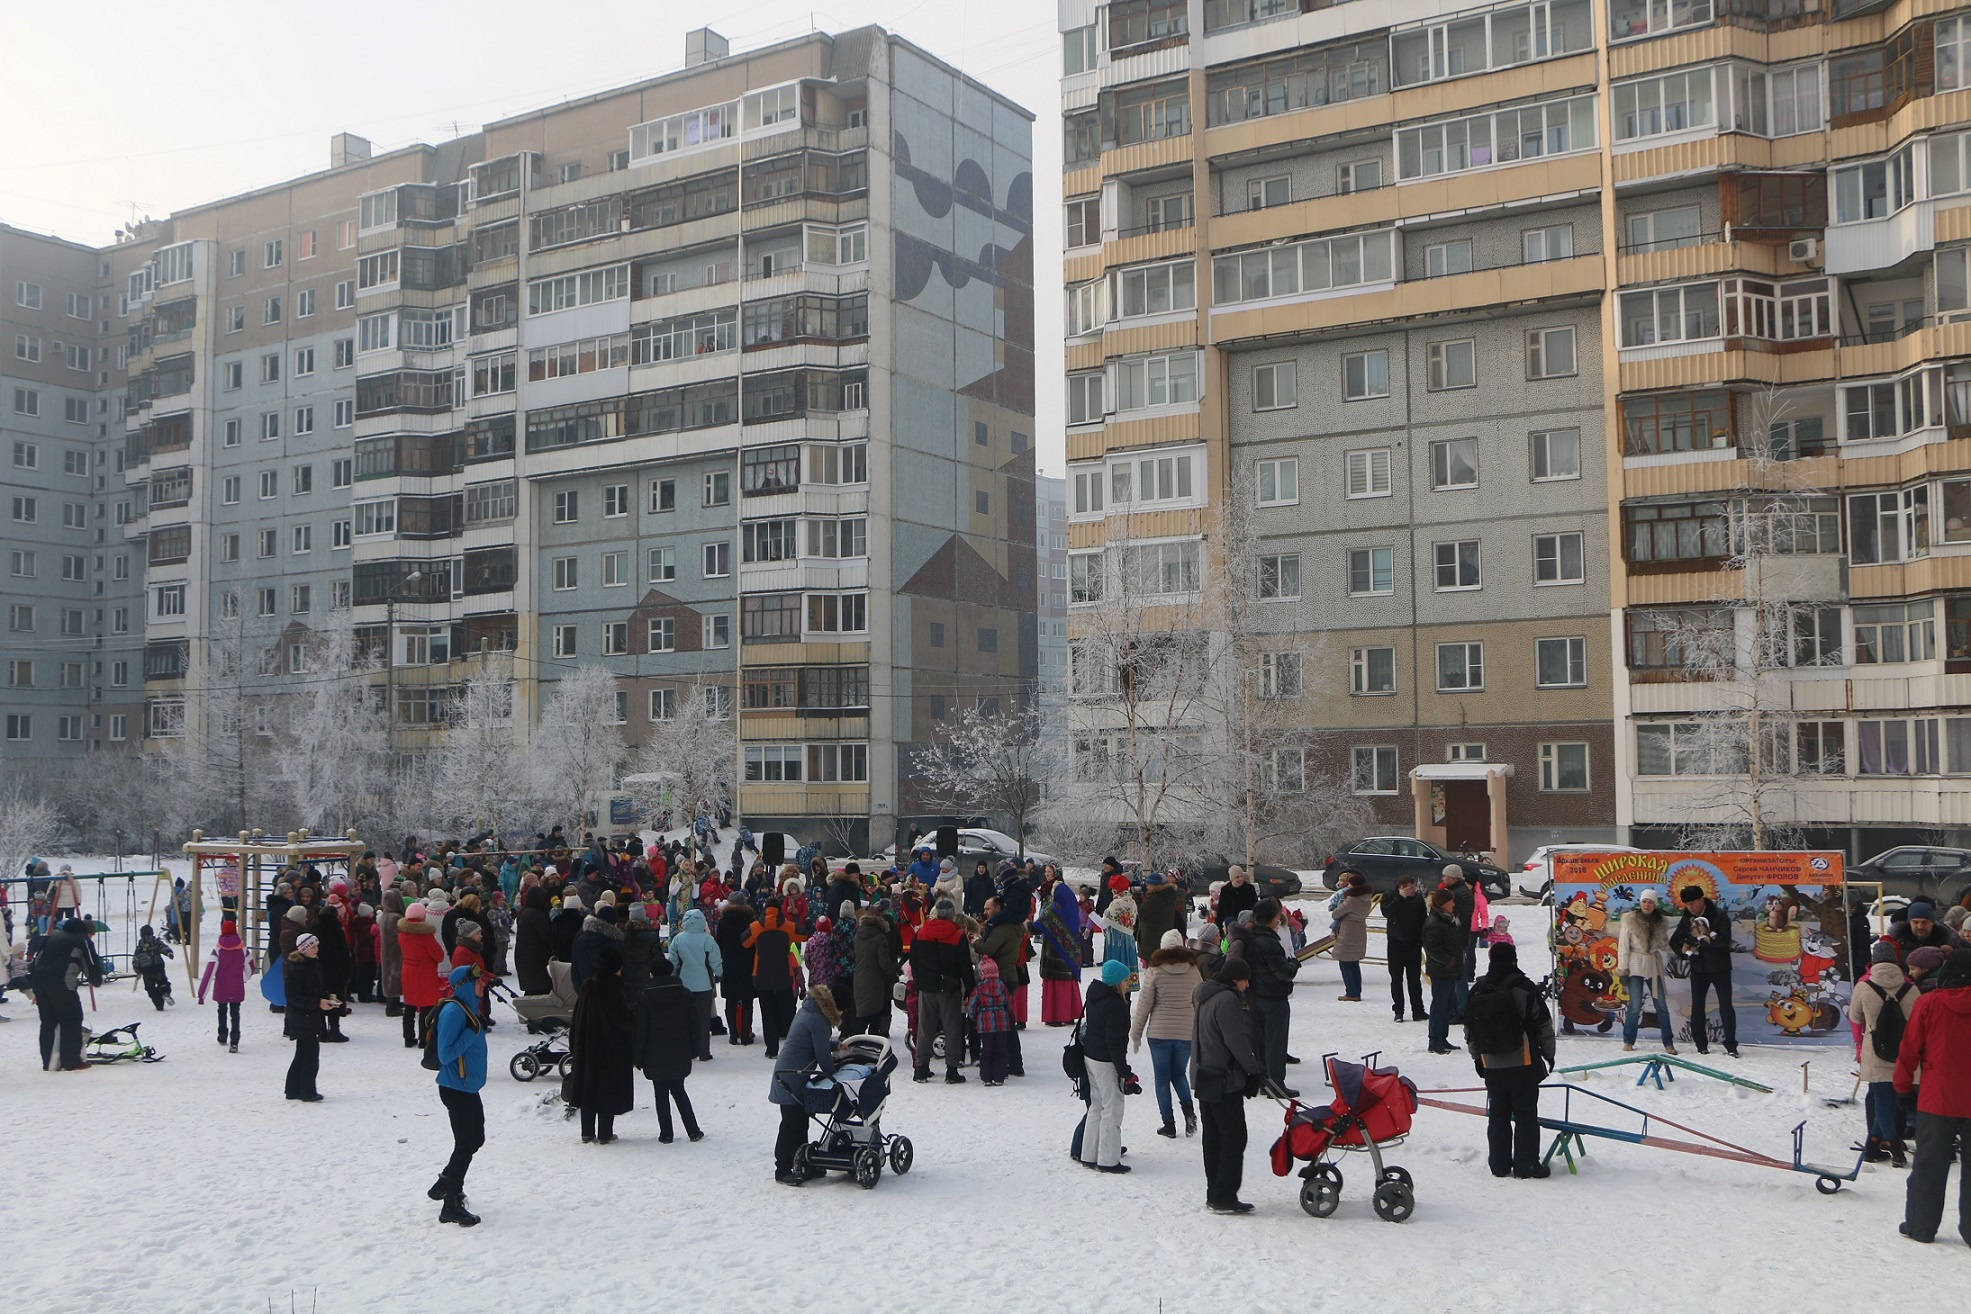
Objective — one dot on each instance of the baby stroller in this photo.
(117, 1045)
(548, 1016)
(848, 1110)
(1372, 1108)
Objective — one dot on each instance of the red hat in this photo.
(228, 928)
(823, 925)
(1118, 882)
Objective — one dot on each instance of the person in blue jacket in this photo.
(925, 869)
(696, 956)
(461, 1046)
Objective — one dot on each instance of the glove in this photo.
(1132, 1085)
(1255, 1084)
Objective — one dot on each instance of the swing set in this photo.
(243, 870)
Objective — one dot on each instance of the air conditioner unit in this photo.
(1803, 251)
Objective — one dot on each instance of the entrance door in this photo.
(1467, 816)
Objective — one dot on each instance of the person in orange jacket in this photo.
(772, 939)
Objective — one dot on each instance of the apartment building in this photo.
(1490, 322)
(721, 381)
(1051, 604)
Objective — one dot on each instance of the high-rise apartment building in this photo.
(721, 381)
(1521, 338)
(1051, 606)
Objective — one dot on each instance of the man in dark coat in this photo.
(664, 1044)
(941, 969)
(1238, 894)
(1403, 915)
(64, 962)
(1225, 1072)
(1509, 1033)
(567, 924)
(302, 1023)
(1103, 894)
(1273, 972)
(598, 931)
(876, 972)
(1444, 957)
(736, 982)
(533, 943)
(1703, 937)
(640, 946)
(601, 1075)
(1160, 909)
(845, 887)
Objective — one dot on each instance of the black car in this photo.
(1385, 859)
(1273, 882)
(1940, 875)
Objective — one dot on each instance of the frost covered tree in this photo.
(687, 758)
(222, 766)
(578, 746)
(997, 765)
(338, 734)
(473, 777)
(29, 824)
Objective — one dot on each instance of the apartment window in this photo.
(1086, 577)
(304, 480)
(566, 505)
(1876, 189)
(565, 642)
(27, 295)
(304, 539)
(663, 495)
(266, 543)
(937, 634)
(844, 538)
(1555, 454)
(1442, 258)
(20, 618)
(1265, 193)
(1557, 559)
(1273, 387)
(1888, 409)
(494, 374)
(615, 638)
(1277, 483)
(1279, 575)
(1371, 571)
(339, 534)
(1895, 632)
(1157, 289)
(1654, 107)
(1897, 747)
(1368, 472)
(838, 613)
(1539, 245)
(615, 501)
(1085, 398)
(718, 488)
(1084, 221)
(27, 401)
(1549, 353)
(663, 704)
(1457, 565)
(1819, 748)
(300, 599)
(1669, 314)
(1460, 667)
(26, 510)
(1560, 663)
(1374, 769)
(1454, 463)
(1163, 380)
(715, 631)
(615, 569)
(27, 456)
(1451, 365)
(20, 726)
(27, 348)
(1161, 214)
(1563, 768)
(1496, 137)
(1358, 176)
(20, 674)
(663, 565)
(566, 573)
(341, 472)
(1372, 671)
(717, 560)
(167, 600)
(1364, 374)
(22, 563)
(119, 728)
(1279, 675)
(1889, 527)
(1314, 265)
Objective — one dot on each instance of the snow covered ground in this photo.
(192, 1185)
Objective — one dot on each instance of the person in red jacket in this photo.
(424, 971)
(1937, 1044)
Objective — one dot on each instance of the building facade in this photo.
(1051, 605)
(721, 381)
(1491, 338)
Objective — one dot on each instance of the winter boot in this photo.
(1874, 1151)
(1190, 1119)
(441, 1189)
(393, 1009)
(1898, 1154)
(1168, 1130)
(456, 1212)
(233, 1048)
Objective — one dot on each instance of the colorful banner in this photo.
(1787, 917)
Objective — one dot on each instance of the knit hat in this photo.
(1504, 955)
(414, 912)
(639, 915)
(1690, 892)
(607, 899)
(571, 901)
(945, 865)
(1883, 952)
(944, 909)
(823, 926)
(229, 928)
(1922, 910)
(1154, 878)
(1927, 959)
(847, 911)
(606, 913)
(305, 943)
(1172, 939)
(298, 915)
(364, 910)
(988, 970)
(438, 900)
(1647, 896)
(1114, 972)
(1956, 971)
(468, 930)
(1118, 882)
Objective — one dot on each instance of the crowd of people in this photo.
(659, 952)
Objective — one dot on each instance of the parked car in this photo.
(1385, 859)
(1538, 873)
(1913, 871)
(1200, 874)
(974, 842)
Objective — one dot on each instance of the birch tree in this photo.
(578, 748)
(473, 776)
(338, 734)
(687, 758)
(29, 824)
(994, 765)
(222, 766)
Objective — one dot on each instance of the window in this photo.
(770, 617)
(1279, 575)
(20, 674)
(1895, 632)
(1273, 387)
(266, 543)
(1163, 569)
(1460, 667)
(1157, 289)
(1085, 398)
(1457, 565)
(1374, 769)
(1078, 50)
(1164, 380)
(1265, 193)
(20, 726)
(1496, 137)
(26, 510)
(1549, 353)
(1084, 221)
(1162, 214)
(1368, 472)
(1898, 747)
(717, 560)
(1442, 258)
(843, 613)
(1277, 483)
(1876, 189)
(1314, 265)
(345, 294)
(494, 374)
(1451, 365)
(663, 495)
(766, 471)
(774, 762)
(1154, 480)
(566, 573)
(615, 638)
(565, 642)
(663, 565)
(373, 332)
(1653, 107)
(1148, 113)
(27, 456)
(1563, 768)
(661, 635)
(718, 488)
(21, 563)
(1557, 559)
(1086, 577)
(270, 483)
(119, 728)
(663, 704)
(1371, 571)
(339, 534)
(27, 296)
(1364, 374)
(1560, 663)
(567, 505)
(1454, 463)
(715, 631)
(1670, 314)
(1889, 527)
(615, 569)
(345, 353)
(1538, 245)
(1372, 671)
(27, 348)
(304, 539)
(1279, 675)
(1358, 176)
(1087, 492)
(166, 600)
(20, 617)
(1889, 409)
(27, 401)
(615, 501)
(845, 538)
(1677, 531)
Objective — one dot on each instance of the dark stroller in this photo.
(1372, 1108)
(848, 1111)
(548, 1016)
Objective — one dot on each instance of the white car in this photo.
(974, 843)
(1538, 873)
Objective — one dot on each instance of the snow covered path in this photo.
(192, 1185)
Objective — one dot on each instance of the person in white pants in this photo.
(1105, 1043)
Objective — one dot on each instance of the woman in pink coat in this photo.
(225, 976)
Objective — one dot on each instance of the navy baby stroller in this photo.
(847, 1110)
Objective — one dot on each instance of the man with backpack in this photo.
(1510, 1035)
(1880, 1006)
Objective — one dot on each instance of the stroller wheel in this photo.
(804, 1164)
(937, 1046)
(565, 1067)
(524, 1066)
(1394, 1202)
(1395, 1174)
(902, 1154)
(1320, 1192)
(868, 1168)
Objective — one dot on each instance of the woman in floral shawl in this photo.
(1060, 956)
(1119, 932)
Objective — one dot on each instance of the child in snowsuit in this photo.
(148, 960)
(990, 1011)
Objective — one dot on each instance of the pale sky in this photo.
(113, 110)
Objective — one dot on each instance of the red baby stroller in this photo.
(1372, 1108)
